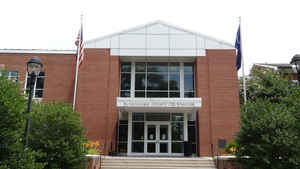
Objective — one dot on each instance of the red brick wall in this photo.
(217, 84)
(59, 69)
(98, 87)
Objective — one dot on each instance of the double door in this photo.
(158, 138)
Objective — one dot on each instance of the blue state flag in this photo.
(239, 50)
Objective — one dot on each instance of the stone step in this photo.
(142, 167)
(157, 161)
(159, 164)
(109, 162)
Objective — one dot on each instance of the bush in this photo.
(12, 124)
(269, 128)
(56, 130)
(231, 147)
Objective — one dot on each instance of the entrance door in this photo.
(158, 138)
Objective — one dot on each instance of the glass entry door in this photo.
(158, 138)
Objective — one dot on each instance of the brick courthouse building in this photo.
(144, 91)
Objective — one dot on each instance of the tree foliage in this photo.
(12, 123)
(56, 130)
(269, 136)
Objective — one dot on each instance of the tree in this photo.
(269, 136)
(56, 130)
(12, 118)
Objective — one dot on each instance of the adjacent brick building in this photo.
(145, 91)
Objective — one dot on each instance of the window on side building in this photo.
(11, 75)
(38, 89)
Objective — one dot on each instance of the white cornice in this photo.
(44, 51)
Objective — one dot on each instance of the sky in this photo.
(270, 29)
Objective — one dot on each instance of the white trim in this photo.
(267, 66)
(185, 126)
(181, 79)
(46, 51)
(129, 136)
(162, 23)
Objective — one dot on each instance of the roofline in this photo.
(273, 66)
(163, 23)
(46, 51)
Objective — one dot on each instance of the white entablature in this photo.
(157, 39)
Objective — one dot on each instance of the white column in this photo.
(132, 82)
(181, 69)
(129, 133)
(185, 126)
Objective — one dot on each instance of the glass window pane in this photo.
(189, 67)
(139, 94)
(122, 148)
(163, 132)
(174, 81)
(28, 82)
(189, 94)
(174, 67)
(157, 94)
(157, 67)
(138, 116)
(40, 83)
(151, 132)
(140, 80)
(157, 81)
(177, 147)
(188, 81)
(123, 132)
(125, 67)
(151, 147)
(125, 81)
(138, 131)
(42, 74)
(157, 116)
(137, 147)
(125, 94)
(174, 94)
(39, 93)
(177, 117)
(163, 147)
(140, 67)
(177, 131)
(14, 74)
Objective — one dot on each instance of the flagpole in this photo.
(77, 66)
(243, 64)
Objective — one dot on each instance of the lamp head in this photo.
(34, 65)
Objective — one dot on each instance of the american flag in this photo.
(80, 46)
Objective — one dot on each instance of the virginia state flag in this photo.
(239, 50)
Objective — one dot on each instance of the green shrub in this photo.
(56, 130)
(12, 124)
(270, 124)
(231, 147)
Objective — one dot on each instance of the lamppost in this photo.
(296, 65)
(34, 66)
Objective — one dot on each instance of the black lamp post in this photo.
(34, 66)
(296, 65)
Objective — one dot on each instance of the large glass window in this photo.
(189, 80)
(125, 79)
(38, 86)
(154, 79)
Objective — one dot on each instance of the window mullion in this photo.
(132, 85)
(181, 69)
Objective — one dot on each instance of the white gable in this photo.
(157, 39)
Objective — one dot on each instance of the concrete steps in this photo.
(109, 162)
